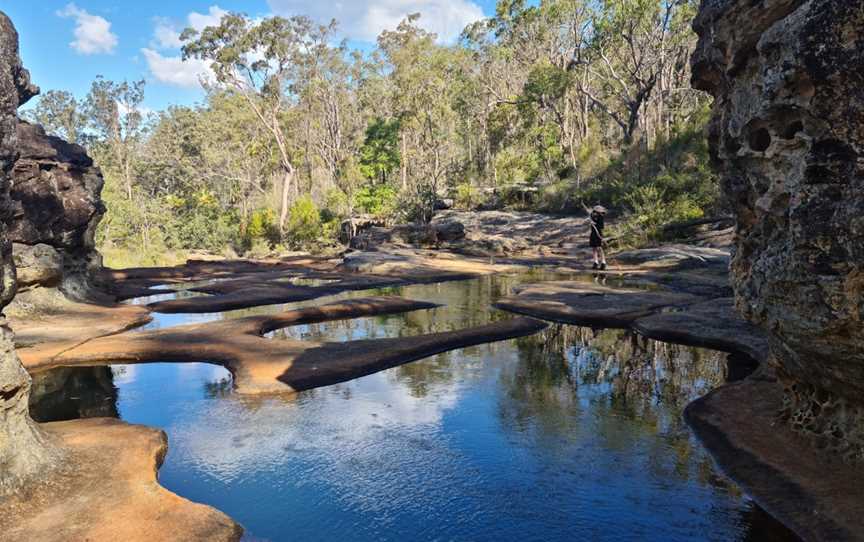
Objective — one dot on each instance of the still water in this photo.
(570, 434)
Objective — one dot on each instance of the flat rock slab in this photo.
(669, 255)
(408, 263)
(590, 304)
(245, 293)
(75, 323)
(107, 490)
(710, 324)
(260, 365)
(331, 363)
(814, 494)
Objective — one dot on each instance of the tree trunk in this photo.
(403, 163)
(287, 179)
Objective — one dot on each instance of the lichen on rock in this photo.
(787, 135)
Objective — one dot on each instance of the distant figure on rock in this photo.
(597, 221)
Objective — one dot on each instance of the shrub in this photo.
(650, 210)
(304, 222)
(378, 200)
(468, 196)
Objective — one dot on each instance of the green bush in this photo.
(468, 196)
(377, 200)
(649, 211)
(418, 206)
(304, 223)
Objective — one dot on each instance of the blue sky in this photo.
(65, 45)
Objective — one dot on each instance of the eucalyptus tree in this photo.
(260, 60)
(115, 117)
(423, 79)
(634, 43)
(60, 114)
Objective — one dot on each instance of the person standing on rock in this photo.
(597, 221)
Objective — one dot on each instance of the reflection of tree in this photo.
(618, 375)
(541, 389)
(221, 388)
(646, 372)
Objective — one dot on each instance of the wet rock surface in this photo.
(814, 493)
(709, 324)
(591, 304)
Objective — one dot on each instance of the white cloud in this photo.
(173, 70)
(365, 19)
(213, 17)
(166, 35)
(92, 33)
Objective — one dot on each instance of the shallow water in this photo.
(568, 434)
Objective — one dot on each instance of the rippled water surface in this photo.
(570, 434)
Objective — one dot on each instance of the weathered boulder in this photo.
(56, 202)
(24, 449)
(788, 138)
(450, 230)
(37, 264)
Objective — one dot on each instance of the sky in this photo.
(65, 45)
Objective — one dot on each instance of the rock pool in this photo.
(569, 434)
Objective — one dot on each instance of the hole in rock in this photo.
(760, 139)
(792, 129)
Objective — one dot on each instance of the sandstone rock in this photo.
(711, 324)
(673, 254)
(25, 451)
(590, 304)
(56, 202)
(108, 490)
(37, 265)
(787, 135)
(450, 230)
(56, 192)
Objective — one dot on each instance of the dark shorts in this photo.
(595, 241)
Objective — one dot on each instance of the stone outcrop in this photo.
(788, 138)
(24, 448)
(56, 208)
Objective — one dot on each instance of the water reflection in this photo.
(572, 433)
(73, 393)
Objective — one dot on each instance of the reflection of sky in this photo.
(493, 442)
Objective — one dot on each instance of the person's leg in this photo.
(594, 251)
(602, 254)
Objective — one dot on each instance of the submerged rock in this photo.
(787, 135)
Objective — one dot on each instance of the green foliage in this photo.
(262, 226)
(418, 206)
(379, 154)
(378, 200)
(468, 196)
(650, 208)
(60, 115)
(304, 223)
(547, 103)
